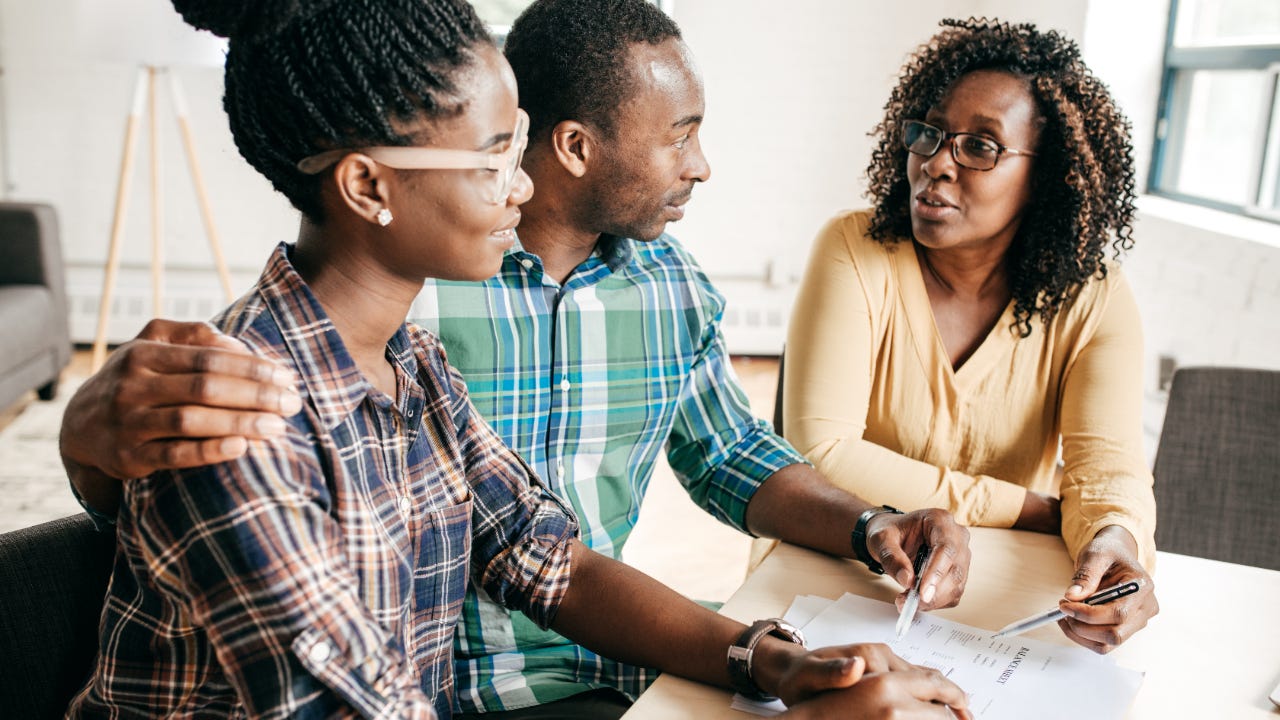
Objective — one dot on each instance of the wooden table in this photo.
(1212, 652)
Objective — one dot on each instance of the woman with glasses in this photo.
(947, 342)
(322, 573)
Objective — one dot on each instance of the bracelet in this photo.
(859, 537)
(743, 650)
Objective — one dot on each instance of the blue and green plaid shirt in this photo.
(587, 381)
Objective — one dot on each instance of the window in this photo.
(499, 14)
(1218, 134)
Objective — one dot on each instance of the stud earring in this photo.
(384, 217)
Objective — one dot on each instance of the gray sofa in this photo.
(33, 302)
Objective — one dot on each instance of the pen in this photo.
(1099, 598)
(913, 595)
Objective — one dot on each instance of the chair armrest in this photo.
(32, 252)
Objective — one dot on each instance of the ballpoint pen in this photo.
(1099, 598)
(912, 602)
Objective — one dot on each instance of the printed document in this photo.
(1006, 678)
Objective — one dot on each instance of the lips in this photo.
(930, 205)
(507, 234)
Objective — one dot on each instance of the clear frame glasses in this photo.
(971, 151)
(504, 165)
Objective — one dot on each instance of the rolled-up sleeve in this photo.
(249, 549)
(521, 532)
(718, 449)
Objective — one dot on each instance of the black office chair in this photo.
(1217, 468)
(53, 580)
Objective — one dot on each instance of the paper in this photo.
(1011, 678)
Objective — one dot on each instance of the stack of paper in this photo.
(1010, 677)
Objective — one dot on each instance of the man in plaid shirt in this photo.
(599, 344)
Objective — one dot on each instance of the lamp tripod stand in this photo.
(144, 94)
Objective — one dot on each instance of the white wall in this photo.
(65, 118)
(792, 90)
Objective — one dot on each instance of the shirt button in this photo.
(405, 505)
(560, 469)
(564, 384)
(319, 652)
(527, 263)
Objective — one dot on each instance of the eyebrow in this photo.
(495, 140)
(687, 121)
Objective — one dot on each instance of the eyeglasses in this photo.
(505, 165)
(971, 151)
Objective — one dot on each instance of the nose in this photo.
(942, 163)
(697, 168)
(521, 188)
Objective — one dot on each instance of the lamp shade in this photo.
(147, 32)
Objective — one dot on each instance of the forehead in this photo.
(993, 98)
(485, 88)
(664, 85)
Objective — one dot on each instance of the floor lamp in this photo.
(160, 32)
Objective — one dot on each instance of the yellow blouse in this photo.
(871, 397)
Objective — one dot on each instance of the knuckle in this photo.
(204, 361)
(202, 387)
(171, 454)
(154, 329)
(184, 420)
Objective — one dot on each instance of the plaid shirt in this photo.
(322, 574)
(587, 381)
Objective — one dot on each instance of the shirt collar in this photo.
(615, 252)
(330, 376)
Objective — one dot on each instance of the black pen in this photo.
(1101, 597)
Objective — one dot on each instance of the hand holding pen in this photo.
(1111, 557)
(894, 540)
(1102, 597)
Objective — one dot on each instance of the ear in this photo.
(363, 185)
(573, 145)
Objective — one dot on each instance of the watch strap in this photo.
(742, 651)
(858, 538)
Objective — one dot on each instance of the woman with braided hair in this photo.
(321, 573)
(946, 343)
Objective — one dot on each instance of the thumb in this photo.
(1091, 567)
(821, 675)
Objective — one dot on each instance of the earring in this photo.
(384, 217)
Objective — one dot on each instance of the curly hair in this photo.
(570, 57)
(1083, 178)
(304, 76)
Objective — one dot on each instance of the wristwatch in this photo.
(742, 651)
(859, 537)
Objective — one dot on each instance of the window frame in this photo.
(1188, 59)
(499, 32)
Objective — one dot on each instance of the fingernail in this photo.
(290, 403)
(232, 447)
(283, 377)
(903, 577)
(1075, 589)
(270, 425)
(927, 594)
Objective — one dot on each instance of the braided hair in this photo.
(305, 76)
(570, 57)
(1083, 197)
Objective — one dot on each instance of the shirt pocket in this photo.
(440, 578)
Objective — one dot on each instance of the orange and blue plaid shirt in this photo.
(322, 574)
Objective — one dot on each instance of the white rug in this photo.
(33, 486)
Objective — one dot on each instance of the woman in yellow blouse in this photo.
(947, 343)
